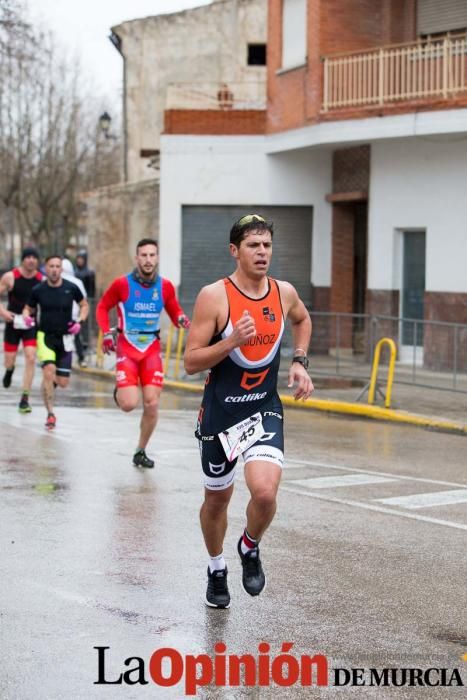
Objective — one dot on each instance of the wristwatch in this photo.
(302, 359)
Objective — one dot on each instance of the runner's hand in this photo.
(9, 316)
(108, 344)
(244, 330)
(74, 327)
(298, 374)
(29, 321)
(183, 321)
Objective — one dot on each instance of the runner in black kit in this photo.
(18, 284)
(236, 332)
(54, 301)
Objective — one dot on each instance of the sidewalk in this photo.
(430, 408)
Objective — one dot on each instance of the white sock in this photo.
(217, 563)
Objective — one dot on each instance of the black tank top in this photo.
(246, 379)
(19, 294)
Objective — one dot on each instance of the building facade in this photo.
(361, 151)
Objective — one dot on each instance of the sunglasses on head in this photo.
(249, 218)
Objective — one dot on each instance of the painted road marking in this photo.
(329, 482)
(427, 500)
(340, 467)
(375, 508)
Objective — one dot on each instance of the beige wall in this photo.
(116, 218)
(205, 45)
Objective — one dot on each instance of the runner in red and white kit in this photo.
(236, 333)
(18, 283)
(140, 297)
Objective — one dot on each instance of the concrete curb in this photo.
(328, 405)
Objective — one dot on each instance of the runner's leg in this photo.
(30, 362)
(213, 518)
(151, 397)
(48, 390)
(262, 479)
(9, 359)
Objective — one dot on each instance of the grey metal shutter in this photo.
(435, 16)
(205, 246)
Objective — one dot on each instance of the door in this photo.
(412, 296)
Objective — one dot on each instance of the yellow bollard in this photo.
(181, 333)
(99, 351)
(374, 371)
(168, 349)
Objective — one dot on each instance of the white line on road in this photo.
(302, 462)
(375, 508)
(328, 482)
(427, 500)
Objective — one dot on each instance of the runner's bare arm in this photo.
(209, 315)
(295, 310)
(83, 310)
(6, 284)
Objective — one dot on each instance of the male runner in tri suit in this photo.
(52, 302)
(236, 332)
(18, 283)
(140, 297)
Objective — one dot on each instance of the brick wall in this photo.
(320, 338)
(341, 297)
(445, 347)
(333, 26)
(216, 122)
(351, 169)
(115, 219)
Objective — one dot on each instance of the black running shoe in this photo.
(140, 459)
(253, 579)
(7, 377)
(24, 406)
(217, 593)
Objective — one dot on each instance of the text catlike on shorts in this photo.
(219, 473)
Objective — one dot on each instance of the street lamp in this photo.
(104, 123)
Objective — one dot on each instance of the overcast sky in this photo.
(84, 26)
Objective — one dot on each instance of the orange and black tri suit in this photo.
(244, 383)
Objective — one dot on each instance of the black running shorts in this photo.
(219, 473)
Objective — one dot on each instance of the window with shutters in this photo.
(293, 33)
(435, 17)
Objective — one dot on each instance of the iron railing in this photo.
(431, 354)
(426, 69)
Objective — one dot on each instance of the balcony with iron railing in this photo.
(429, 70)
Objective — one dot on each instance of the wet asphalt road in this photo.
(97, 553)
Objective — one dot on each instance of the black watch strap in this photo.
(302, 359)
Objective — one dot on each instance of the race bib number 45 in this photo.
(241, 436)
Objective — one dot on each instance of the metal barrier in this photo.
(431, 354)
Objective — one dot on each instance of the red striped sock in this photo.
(248, 542)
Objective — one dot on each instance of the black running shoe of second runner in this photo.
(24, 406)
(140, 459)
(217, 593)
(7, 377)
(253, 579)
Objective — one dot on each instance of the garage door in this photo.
(205, 251)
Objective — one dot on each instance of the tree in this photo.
(49, 141)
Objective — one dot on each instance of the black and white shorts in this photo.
(219, 473)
